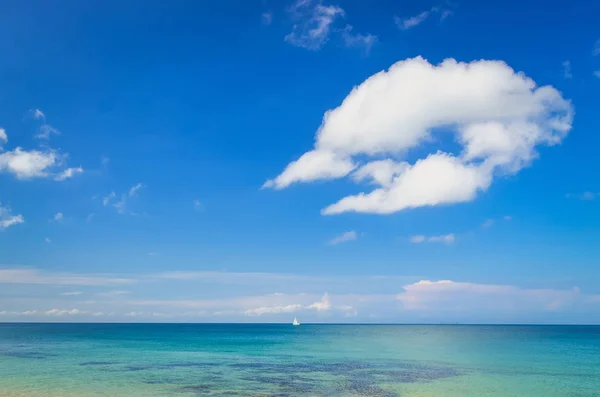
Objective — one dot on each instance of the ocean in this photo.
(135, 360)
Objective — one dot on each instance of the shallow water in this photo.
(311, 360)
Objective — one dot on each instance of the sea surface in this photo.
(136, 360)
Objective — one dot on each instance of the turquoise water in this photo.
(311, 360)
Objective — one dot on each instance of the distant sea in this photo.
(135, 360)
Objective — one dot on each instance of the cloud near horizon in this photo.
(497, 116)
(425, 300)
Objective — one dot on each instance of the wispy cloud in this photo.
(45, 130)
(567, 70)
(407, 23)
(7, 219)
(585, 196)
(313, 28)
(267, 17)
(58, 217)
(113, 294)
(32, 276)
(445, 238)
(48, 240)
(198, 206)
(106, 200)
(68, 174)
(448, 295)
(596, 50)
(121, 205)
(488, 223)
(343, 238)
(413, 301)
(411, 22)
(358, 40)
(3, 137)
(314, 24)
(259, 311)
(38, 114)
(134, 189)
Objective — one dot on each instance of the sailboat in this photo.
(296, 322)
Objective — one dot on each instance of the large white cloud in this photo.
(496, 115)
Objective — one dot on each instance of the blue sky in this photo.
(171, 161)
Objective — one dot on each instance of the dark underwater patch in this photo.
(167, 366)
(292, 384)
(27, 354)
(97, 363)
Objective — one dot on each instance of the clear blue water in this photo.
(311, 360)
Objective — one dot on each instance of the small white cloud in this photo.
(48, 240)
(267, 18)
(597, 73)
(3, 137)
(272, 310)
(7, 219)
(68, 173)
(38, 114)
(323, 304)
(113, 294)
(411, 22)
(134, 189)
(445, 238)
(567, 70)
(358, 40)
(596, 50)
(58, 217)
(344, 237)
(106, 200)
(45, 131)
(72, 293)
(417, 239)
(312, 30)
(488, 223)
(198, 206)
(104, 161)
(121, 205)
(29, 164)
(65, 312)
(585, 196)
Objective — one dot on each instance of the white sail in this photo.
(296, 322)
